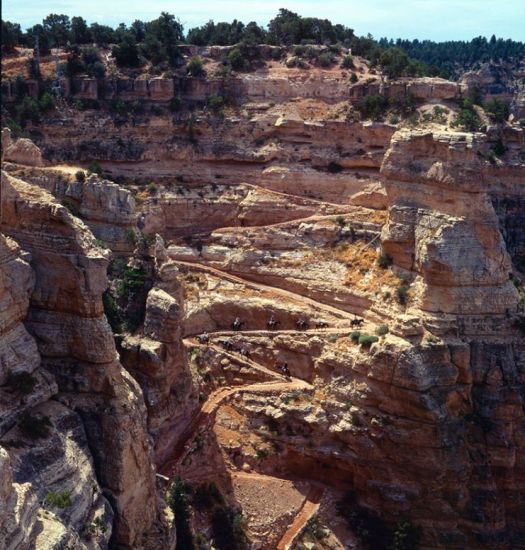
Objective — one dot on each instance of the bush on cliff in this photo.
(27, 110)
(195, 67)
(237, 60)
(126, 53)
(34, 427)
(367, 340)
(178, 501)
(373, 106)
(23, 382)
(498, 110)
(467, 118)
(60, 499)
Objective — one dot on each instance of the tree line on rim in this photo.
(157, 41)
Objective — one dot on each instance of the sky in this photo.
(432, 19)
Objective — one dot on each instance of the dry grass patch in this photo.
(362, 269)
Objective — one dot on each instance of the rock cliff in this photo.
(303, 315)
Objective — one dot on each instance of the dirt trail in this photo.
(290, 223)
(207, 413)
(309, 508)
(292, 296)
(243, 360)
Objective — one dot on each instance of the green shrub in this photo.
(237, 60)
(27, 110)
(325, 59)
(299, 50)
(34, 427)
(347, 62)
(94, 168)
(216, 103)
(353, 78)
(175, 104)
(314, 530)
(178, 501)
(153, 188)
(467, 118)
(102, 244)
(23, 382)
(85, 104)
(59, 500)
(384, 260)
(367, 340)
(382, 330)
(499, 148)
(406, 536)
(498, 110)
(340, 221)
(373, 106)
(355, 335)
(47, 102)
(402, 292)
(80, 176)
(190, 129)
(131, 237)
(112, 311)
(132, 281)
(195, 67)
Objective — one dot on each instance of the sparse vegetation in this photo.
(384, 260)
(216, 104)
(34, 427)
(22, 382)
(366, 340)
(314, 530)
(467, 118)
(94, 168)
(80, 176)
(347, 62)
(382, 330)
(112, 311)
(498, 110)
(178, 501)
(196, 67)
(402, 292)
(59, 500)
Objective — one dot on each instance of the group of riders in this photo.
(272, 324)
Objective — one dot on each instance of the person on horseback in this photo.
(272, 323)
(237, 324)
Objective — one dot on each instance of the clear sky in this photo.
(434, 19)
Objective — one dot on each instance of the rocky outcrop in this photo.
(454, 244)
(22, 151)
(76, 345)
(105, 207)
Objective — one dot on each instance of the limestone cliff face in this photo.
(442, 223)
(262, 238)
(102, 410)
